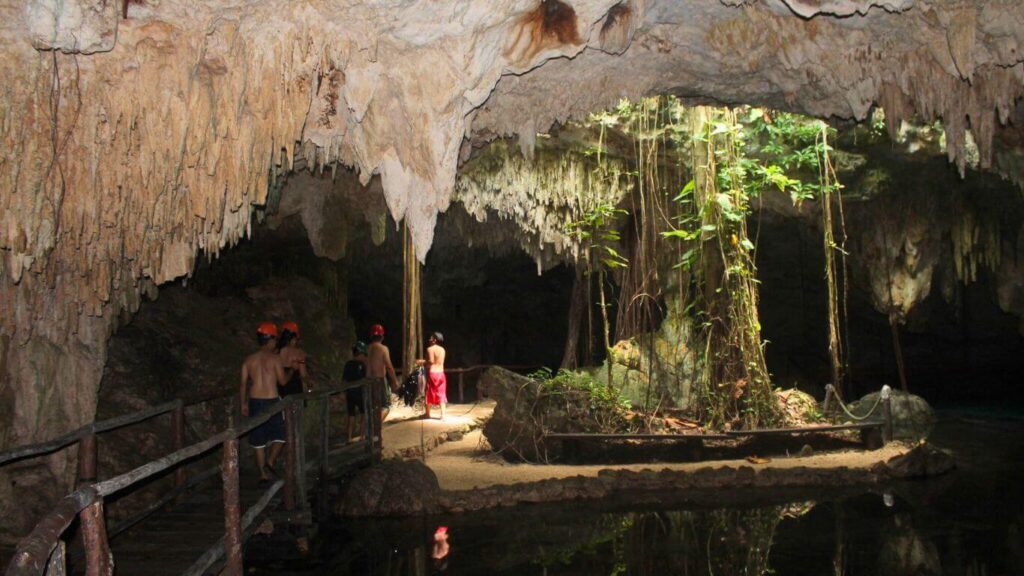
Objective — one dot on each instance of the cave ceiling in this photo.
(140, 133)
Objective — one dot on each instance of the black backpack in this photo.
(412, 388)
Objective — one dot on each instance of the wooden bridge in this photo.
(197, 526)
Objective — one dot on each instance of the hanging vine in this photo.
(734, 387)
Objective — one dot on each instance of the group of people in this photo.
(278, 369)
(374, 361)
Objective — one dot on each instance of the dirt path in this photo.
(466, 464)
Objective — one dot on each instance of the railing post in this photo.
(98, 559)
(87, 459)
(232, 510)
(370, 414)
(325, 452)
(887, 427)
(300, 452)
(58, 566)
(178, 432)
(290, 455)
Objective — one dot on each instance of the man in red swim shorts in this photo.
(437, 382)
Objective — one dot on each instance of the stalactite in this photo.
(544, 197)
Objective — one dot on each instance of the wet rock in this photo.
(512, 429)
(913, 418)
(394, 488)
(923, 461)
(654, 369)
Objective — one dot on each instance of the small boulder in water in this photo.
(923, 461)
(912, 417)
(394, 488)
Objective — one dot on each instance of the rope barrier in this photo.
(884, 395)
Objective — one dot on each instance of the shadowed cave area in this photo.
(726, 287)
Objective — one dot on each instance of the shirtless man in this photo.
(294, 359)
(265, 370)
(379, 367)
(437, 382)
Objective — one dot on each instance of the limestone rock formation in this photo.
(912, 417)
(512, 429)
(655, 370)
(137, 135)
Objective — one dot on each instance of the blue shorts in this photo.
(270, 431)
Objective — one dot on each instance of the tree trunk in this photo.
(578, 299)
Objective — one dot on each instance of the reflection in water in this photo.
(439, 556)
(965, 524)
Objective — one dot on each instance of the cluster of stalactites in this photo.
(976, 245)
(546, 197)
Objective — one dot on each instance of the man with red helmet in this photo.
(294, 359)
(265, 370)
(379, 366)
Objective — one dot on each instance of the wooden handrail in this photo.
(34, 551)
(50, 446)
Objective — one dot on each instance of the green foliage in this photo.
(788, 149)
(589, 405)
(597, 233)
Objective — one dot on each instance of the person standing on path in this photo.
(266, 371)
(354, 371)
(294, 359)
(437, 382)
(379, 367)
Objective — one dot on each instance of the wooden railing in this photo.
(43, 551)
(461, 372)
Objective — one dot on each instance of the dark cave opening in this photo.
(492, 309)
(967, 352)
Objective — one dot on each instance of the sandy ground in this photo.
(468, 463)
(407, 433)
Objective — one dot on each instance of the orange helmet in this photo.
(267, 329)
(376, 330)
(291, 327)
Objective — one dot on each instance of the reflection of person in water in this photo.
(439, 555)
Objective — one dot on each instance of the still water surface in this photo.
(968, 523)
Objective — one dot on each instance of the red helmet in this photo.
(291, 327)
(267, 329)
(376, 330)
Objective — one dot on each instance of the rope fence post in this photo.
(827, 404)
(887, 428)
(99, 561)
(232, 510)
(461, 384)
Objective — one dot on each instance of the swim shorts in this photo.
(270, 431)
(437, 388)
